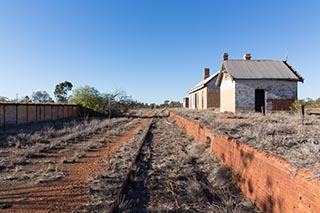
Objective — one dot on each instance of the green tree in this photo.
(154, 106)
(3, 99)
(61, 91)
(175, 104)
(88, 97)
(25, 99)
(41, 96)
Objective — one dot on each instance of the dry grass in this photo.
(188, 178)
(283, 134)
(23, 151)
(104, 188)
(44, 174)
(182, 176)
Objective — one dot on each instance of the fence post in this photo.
(40, 113)
(44, 112)
(263, 110)
(17, 114)
(302, 111)
(27, 113)
(51, 111)
(4, 116)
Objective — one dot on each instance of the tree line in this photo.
(60, 93)
(111, 104)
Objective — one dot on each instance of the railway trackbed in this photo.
(162, 169)
(137, 164)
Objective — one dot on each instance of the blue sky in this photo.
(154, 50)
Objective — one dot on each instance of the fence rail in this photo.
(21, 113)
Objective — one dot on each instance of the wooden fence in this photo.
(22, 113)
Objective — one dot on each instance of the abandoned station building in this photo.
(242, 85)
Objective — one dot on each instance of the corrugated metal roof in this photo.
(260, 69)
(202, 83)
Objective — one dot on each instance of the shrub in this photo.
(296, 105)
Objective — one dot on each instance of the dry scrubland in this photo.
(283, 134)
(35, 153)
(174, 173)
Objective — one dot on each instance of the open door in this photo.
(259, 99)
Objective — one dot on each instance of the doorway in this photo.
(259, 99)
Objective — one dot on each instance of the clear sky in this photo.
(152, 49)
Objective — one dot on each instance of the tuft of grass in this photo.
(75, 158)
(4, 206)
(49, 173)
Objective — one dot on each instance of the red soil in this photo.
(69, 193)
(268, 180)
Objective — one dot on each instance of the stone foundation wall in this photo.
(275, 92)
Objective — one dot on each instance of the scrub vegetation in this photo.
(173, 173)
(284, 134)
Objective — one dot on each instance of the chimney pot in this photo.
(206, 73)
(225, 56)
(247, 57)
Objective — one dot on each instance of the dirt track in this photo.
(69, 193)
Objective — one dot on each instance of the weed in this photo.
(4, 206)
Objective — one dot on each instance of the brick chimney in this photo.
(206, 73)
(247, 57)
(225, 56)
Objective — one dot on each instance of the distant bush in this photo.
(308, 103)
(94, 103)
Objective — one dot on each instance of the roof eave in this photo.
(294, 71)
(201, 86)
(219, 78)
(269, 79)
(196, 89)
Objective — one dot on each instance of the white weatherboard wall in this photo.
(227, 94)
(198, 99)
(245, 92)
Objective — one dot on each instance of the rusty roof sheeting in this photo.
(261, 69)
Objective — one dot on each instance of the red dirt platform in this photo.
(269, 181)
